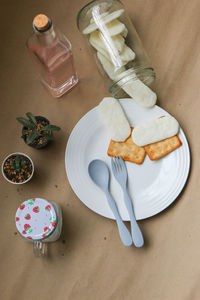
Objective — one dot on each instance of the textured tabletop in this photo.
(89, 262)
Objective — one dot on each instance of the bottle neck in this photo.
(46, 36)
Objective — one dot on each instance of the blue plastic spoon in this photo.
(99, 173)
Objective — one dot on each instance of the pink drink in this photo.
(52, 54)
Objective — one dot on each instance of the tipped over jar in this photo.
(117, 50)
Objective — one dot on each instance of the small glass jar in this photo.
(39, 221)
(116, 48)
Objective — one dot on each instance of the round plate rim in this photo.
(184, 181)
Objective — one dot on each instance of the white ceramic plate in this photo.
(153, 185)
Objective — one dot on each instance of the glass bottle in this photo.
(51, 52)
(117, 50)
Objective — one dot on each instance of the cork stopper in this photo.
(41, 22)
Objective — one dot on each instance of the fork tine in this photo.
(122, 162)
(113, 165)
(118, 164)
(124, 167)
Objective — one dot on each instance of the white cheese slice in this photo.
(111, 49)
(125, 32)
(136, 89)
(100, 20)
(115, 27)
(109, 68)
(114, 119)
(100, 16)
(140, 92)
(105, 42)
(154, 131)
(127, 54)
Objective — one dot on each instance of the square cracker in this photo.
(161, 148)
(128, 150)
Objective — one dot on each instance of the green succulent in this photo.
(17, 164)
(32, 131)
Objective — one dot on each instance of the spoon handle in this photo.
(135, 229)
(123, 231)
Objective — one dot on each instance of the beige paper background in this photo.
(89, 262)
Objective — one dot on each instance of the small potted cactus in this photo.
(17, 168)
(37, 131)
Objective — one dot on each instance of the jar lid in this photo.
(36, 219)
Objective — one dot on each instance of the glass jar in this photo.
(39, 221)
(117, 50)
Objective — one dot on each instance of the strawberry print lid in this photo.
(36, 219)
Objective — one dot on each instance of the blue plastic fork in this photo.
(120, 173)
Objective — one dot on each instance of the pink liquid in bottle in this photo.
(52, 55)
